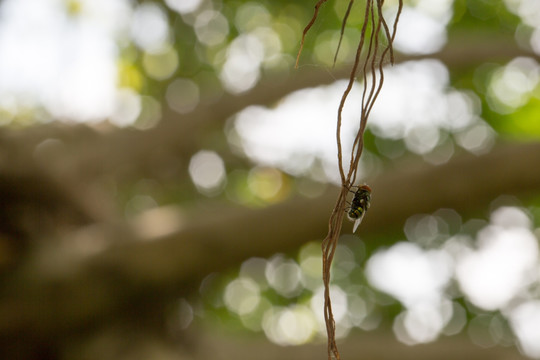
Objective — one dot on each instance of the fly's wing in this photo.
(357, 222)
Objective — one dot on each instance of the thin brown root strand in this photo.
(352, 75)
(372, 63)
(386, 30)
(329, 246)
(351, 177)
(306, 29)
(343, 24)
(394, 31)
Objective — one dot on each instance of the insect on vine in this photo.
(359, 205)
(373, 51)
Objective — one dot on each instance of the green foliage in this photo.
(523, 123)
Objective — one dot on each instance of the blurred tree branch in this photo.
(208, 344)
(377, 344)
(87, 153)
(66, 286)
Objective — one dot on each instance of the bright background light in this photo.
(65, 62)
(294, 135)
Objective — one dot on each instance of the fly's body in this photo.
(359, 205)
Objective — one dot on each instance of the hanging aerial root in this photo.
(306, 29)
(370, 58)
(342, 32)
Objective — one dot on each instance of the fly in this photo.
(359, 205)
